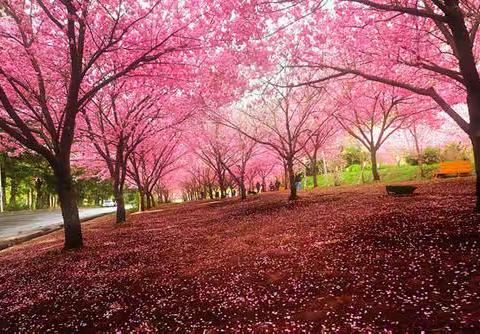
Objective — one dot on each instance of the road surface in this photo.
(21, 223)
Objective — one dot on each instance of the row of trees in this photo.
(28, 183)
(295, 124)
(65, 59)
(108, 84)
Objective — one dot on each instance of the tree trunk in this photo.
(141, 200)
(291, 178)
(40, 202)
(12, 202)
(152, 200)
(285, 175)
(3, 181)
(68, 204)
(363, 171)
(314, 172)
(121, 214)
(149, 203)
(476, 155)
(419, 154)
(373, 157)
(243, 190)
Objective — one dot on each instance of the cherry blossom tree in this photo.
(419, 132)
(244, 151)
(151, 162)
(428, 48)
(118, 120)
(264, 164)
(56, 57)
(371, 113)
(216, 156)
(281, 123)
(322, 132)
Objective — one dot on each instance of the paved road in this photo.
(20, 223)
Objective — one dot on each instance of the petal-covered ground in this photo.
(340, 259)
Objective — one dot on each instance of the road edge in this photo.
(13, 241)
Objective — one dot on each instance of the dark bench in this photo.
(400, 190)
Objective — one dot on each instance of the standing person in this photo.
(298, 181)
(277, 185)
(258, 186)
(271, 187)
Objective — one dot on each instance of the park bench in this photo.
(458, 168)
(400, 190)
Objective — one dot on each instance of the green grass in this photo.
(388, 173)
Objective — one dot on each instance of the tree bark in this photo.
(12, 202)
(314, 171)
(3, 181)
(373, 157)
(40, 198)
(243, 190)
(152, 200)
(141, 200)
(476, 155)
(121, 213)
(291, 177)
(149, 203)
(68, 204)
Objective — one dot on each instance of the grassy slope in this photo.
(388, 174)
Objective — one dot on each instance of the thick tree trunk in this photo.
(291, 177)
(121, 213)
(476, 154)
(149, 203)
(243, 190)
(373, 158)
(141, 200)
(152, 200)
(68, 204)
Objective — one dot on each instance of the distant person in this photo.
(298, 181)
(277, 185)
(258, 186)
(271, 186)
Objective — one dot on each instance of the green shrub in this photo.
(354, 168)
(411, 159)
(431, 155)
(354, 155)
